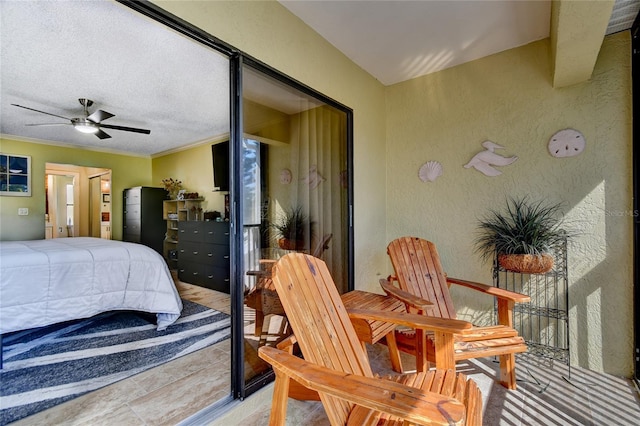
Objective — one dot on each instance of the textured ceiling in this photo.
(56, 52)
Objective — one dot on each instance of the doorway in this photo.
(100, 205)
(77, 201)
(61, 214)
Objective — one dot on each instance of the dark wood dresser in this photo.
(142, 220)
(203, 254)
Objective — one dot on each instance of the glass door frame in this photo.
(238, 59)
(243, 60)
(635, 90)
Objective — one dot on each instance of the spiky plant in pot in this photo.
(291, 229)
(524, 235)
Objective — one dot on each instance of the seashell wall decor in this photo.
(430, 171)
(566, 143)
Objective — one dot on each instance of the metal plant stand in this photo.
(544, 321)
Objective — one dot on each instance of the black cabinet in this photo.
(142, 216)
(203, 254)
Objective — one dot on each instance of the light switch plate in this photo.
(23, 211)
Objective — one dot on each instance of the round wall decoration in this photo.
(566, 143)
(285, 176)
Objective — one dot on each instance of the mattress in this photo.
(44, 282)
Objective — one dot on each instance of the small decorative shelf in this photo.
(544, 321)
(174, 212)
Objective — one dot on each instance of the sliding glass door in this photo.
(289, 154)
(295, 185)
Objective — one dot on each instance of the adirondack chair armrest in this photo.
(500, 293)
(405, 297)
(421, 322)
(287, 343)
(396, 399)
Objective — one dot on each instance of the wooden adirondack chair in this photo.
(264, 298)
(336, 365)
(422, 280)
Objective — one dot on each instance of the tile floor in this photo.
(164, 395)
(548, 394)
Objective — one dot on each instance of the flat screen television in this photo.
(220, 154)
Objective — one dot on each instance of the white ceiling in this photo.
(398, 40)
(53, 53)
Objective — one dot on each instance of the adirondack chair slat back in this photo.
(320, 322)
(419, 271)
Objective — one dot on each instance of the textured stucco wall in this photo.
(507, 98)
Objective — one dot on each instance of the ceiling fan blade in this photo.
(126, 129)
(102, 135)
(100, 115)
(42, 112)
(49, 124)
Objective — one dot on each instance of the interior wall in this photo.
(127, 172)
(507, 98)
(257, 28)
(194, 167)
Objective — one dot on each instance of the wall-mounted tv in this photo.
(220, 154)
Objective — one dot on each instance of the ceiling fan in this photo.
(90, 123)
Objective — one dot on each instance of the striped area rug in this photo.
(46, 366)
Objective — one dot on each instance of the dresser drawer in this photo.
(131, 238)
(216, 232)
(132, 211)
(206, 232)
(132, 227)
(212, 254)
(132, 196)
(213, 277)
(190, 231)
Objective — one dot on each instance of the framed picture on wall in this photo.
(106, 198)
(15, 175)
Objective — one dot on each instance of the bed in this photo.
(44, 282)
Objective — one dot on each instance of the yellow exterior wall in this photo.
(127, 171)
(507, 98)
(270, 33)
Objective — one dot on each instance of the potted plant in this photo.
(523, 235)
(172, 186)
(291, 229)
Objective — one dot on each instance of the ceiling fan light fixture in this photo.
(85, 126)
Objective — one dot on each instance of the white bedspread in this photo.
(43, 282)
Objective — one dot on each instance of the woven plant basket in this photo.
(286, 244)
(526, 263)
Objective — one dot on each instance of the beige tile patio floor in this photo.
(549, 393)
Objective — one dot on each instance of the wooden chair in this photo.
(263, 298)
(336, 365)
(422, 280)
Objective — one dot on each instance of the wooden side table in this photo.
(370, 331)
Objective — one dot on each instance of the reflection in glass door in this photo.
(295, 198)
